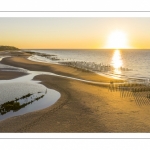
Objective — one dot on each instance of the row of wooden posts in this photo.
(92, 66)
(136, 90)
(88, 66)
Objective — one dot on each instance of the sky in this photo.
(75, 33)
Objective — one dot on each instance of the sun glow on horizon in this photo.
(117, 39)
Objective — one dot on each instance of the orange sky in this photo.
(73, 33)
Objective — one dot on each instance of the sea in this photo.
(126, 63)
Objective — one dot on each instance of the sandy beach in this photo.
(6, 75)
(82, 107)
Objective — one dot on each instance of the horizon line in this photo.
(82, 48)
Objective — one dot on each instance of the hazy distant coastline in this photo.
(8, 48)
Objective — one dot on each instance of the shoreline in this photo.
(82, 107)
(49, 60)
(23, 62)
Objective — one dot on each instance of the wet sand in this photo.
(6, 75)
(83, 107)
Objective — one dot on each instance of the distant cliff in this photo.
(8, 48)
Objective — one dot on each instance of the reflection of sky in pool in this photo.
(49, 99)
(10, 90)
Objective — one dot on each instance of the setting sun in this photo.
(117, 39)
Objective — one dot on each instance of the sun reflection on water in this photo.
(117, 61)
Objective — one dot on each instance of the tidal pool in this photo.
(22, 95)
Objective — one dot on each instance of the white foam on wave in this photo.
(37, 58)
